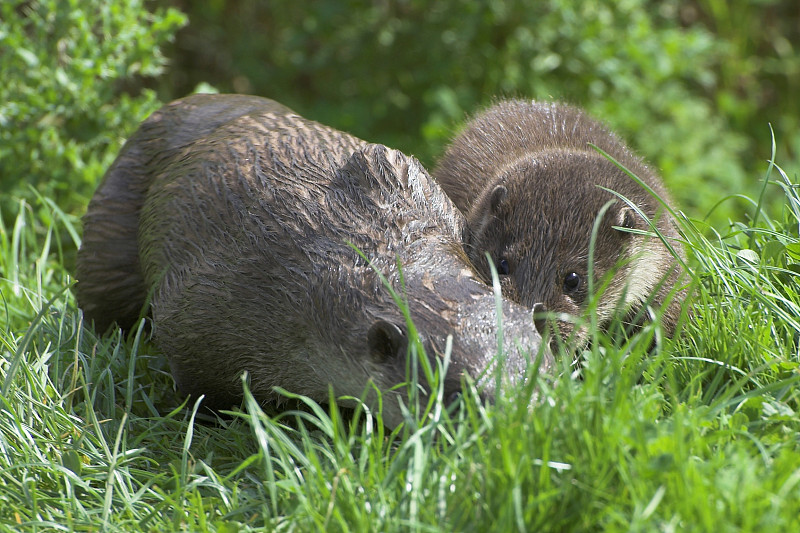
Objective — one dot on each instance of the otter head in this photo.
(414, 245)
(536, 223)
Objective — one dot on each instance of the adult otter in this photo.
(531, 186)
(235, 217)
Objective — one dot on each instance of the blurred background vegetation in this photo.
(692, 85)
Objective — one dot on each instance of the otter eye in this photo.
(502, 267)
(571, 282)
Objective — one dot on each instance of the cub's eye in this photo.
(571, 282)
(502, 267)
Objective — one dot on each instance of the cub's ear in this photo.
(485, 211)
(498, 198)
(626, 218)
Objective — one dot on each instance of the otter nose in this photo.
(538, 317)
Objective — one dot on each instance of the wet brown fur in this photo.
(234, 217)
(529, 182)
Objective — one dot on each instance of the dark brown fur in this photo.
(529, 182)
(234, 215)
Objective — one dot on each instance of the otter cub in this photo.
(531, 186)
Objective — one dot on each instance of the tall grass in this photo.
(700, 433)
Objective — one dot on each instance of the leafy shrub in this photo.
(407, 73)
(63, 110)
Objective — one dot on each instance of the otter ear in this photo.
(485, 212)
(373, 165)
(539, 319)
(498, 198)
(386, 341)
(626, 218)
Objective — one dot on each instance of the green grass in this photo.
(701, 434)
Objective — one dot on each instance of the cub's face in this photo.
(536, 226)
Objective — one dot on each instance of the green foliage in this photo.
(696, 434)
(753, 272)
(406, 73)
(760, 74)
(63, 109)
